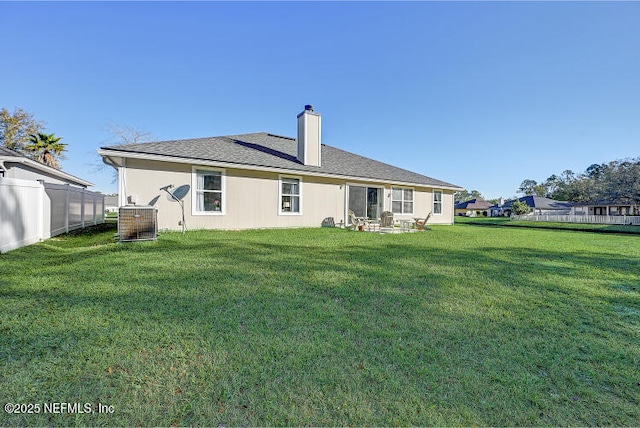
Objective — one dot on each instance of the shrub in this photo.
(520, 208)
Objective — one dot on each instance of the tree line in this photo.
(22, 133)
(616, 181)
(466, 195)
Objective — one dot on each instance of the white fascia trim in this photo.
(162, 158)
(45, 168)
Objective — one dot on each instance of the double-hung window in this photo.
(437, 201)
(401, 200)
(289, 195)
(209, 191)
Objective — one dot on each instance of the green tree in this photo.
(596, 170)
(552, 185)
(621, 181)
(616, 181)
(520, 208)
(582, 189)
(475, 194)
(560, 188)
(46, 149)
(16, 127)
(465, 195)
(461, 196)
(528, 187)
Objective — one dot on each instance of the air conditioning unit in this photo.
(137, 223)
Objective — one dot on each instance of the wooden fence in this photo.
(31, 211)
(592, 219)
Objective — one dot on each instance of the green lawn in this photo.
(458, 325)
(583, 227)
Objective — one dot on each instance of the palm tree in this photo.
(46, 149)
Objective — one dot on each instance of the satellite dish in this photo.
(178, 193)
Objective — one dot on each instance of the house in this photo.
(605, 208)
(15, 165)
(538, 205)
(263, 180)
(472, 208)
(110, 203)
(38, 201)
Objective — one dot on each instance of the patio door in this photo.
(365, 201)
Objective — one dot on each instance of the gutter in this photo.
(108, 160)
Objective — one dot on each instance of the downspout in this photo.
(120, 168)
(122, 184)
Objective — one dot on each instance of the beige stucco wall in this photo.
(423, 204)
(252, 198)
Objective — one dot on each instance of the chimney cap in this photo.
(308, 107)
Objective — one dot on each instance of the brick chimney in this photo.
(309, 147)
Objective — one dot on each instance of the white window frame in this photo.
(280, 194)
(194, 190)
(441, 202)
(413, 200)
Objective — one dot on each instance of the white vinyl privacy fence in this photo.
(31, 211)
(592, 219)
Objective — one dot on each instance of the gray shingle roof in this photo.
(274, 151)
(540, 202)
(4, 151)
(473, 204)
(44, 169)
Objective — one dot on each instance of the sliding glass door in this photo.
(365, 201)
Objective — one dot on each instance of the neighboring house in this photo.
(15, 165)
(38, 201)
(473, 208)
(497, 210)
(538, 205)
(263, 180)
(605, 208)
(110, 203)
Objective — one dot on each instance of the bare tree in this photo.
(16, 128)
(120, 135)
(123, 134)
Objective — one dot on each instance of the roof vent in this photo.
(308, 107)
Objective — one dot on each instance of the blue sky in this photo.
(479, 94)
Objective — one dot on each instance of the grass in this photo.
(582, 227)
(111, 218)
(458, 325)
